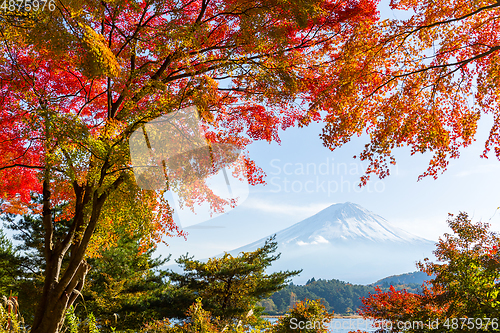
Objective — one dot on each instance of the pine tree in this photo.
(123, 287)
(9, 265)
(310, 281)
(229, 286)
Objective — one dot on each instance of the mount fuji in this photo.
(346, 242)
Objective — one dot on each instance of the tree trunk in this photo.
(50, 313)
(62, 288)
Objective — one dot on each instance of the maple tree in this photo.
(77, 81)
(422, 82)
(465, 285)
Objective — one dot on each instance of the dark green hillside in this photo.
(338, 296)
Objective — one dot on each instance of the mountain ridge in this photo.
(345, 241)
(344, 222)
(416, 277)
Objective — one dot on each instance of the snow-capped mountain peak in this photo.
(346, 241)
(344, 222)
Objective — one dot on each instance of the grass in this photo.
(11, 320)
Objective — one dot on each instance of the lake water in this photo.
(340, 325)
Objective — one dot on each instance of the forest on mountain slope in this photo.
(337, 296)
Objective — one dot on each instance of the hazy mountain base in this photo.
(355, 261)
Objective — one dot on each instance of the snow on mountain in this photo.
(346, 221)
(346, 241)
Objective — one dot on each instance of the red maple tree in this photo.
(77, 81)
(462, 291)
(421, 82)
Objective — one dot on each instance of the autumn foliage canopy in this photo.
(422, 82)
(77, 81)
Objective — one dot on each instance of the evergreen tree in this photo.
(125, 286)
(310, 281)
(122, 289)
(230, 286)
(9, 265)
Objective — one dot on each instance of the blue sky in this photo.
(300, 170)
(470, 184)
(298, 180)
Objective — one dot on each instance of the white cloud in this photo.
(317, 240)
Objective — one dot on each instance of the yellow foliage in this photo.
(99, 60)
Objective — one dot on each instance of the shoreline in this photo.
(335, 316)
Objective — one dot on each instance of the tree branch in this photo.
(23, 166)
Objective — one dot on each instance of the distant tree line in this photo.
(338, 296)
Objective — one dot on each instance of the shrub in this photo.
(305, 316)
(199, 321)
(202, 321)
(74, 325)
